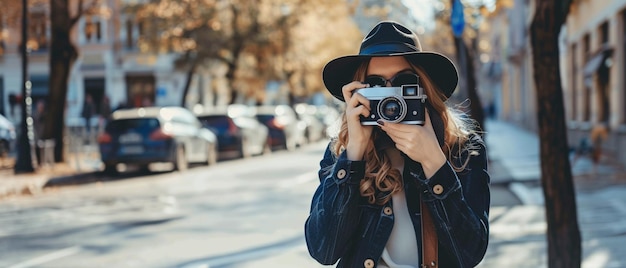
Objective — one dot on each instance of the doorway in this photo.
(95, 88)
(140, 90)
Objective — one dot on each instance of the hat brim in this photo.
(438, 67)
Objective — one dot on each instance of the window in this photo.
(603, 77)
(2, 108)
(129, 34)
(604, 33)
(93, 29)
(2, 35)
(133, 30)
(573, 83)
(623, 65)
(140, 90)
(37, 32)
(587, 89)
(39, 85)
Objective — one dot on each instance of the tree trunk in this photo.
(190, 72)
(476, 106)
(230, 76)
(564, 248)
(466, 62)
(62, 55)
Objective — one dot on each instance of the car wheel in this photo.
(211, 155)
(144, 168)
(245, 149)
(181, 159)
(306, 139)
(267, 148)
(291, 144)
(110, 169)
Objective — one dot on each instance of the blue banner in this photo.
(457, 19)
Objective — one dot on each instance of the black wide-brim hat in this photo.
(386, 39)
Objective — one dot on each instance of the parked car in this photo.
(238, 135)
(7, 136)
(285, 130)
(141, 136)
(331, 118)
(315, 128)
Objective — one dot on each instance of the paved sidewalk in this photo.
(517, 237)
(77, 164)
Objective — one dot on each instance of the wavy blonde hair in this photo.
(381, 180)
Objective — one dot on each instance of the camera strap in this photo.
(430, 243)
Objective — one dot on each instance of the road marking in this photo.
(527, 195)
(300, 179)
(282, 247)
(48, 257)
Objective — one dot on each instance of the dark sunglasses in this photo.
(396, 81)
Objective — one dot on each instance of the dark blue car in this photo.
(285, 130)
(142, 136)
(238, 136)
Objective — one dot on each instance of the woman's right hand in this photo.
(356, 105)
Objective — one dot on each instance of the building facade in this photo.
(595, 71)
(110, 65)
(507, 64)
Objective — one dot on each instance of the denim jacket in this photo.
(343, 226)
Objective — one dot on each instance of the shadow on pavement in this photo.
(231, 259)
(99, 176)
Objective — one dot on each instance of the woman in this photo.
(396, 194)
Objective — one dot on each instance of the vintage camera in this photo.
(405, 104)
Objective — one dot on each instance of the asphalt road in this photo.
(238, 213)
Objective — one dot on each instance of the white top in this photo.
(401, 250)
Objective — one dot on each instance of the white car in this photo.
(7, 136)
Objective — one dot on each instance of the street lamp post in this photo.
(25, 160)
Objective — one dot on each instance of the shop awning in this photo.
(597, 60)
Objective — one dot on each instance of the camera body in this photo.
(405, 104)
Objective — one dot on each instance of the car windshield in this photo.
(137, 124)
(265, 117)
(215, 121)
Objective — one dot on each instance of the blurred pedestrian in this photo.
(88, 111)
(39, 119)
(599, 134)
(399, 194)
(583, 149)
(105, 112)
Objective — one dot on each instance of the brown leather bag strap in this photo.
(430, 254)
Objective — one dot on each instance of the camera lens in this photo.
(392, 109)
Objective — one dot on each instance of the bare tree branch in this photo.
(81, 10)
(79, 13)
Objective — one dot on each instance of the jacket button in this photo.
(438, 189)
(388, 211)
(341, 173)
(369, 263)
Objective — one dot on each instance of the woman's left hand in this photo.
(418, 142)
